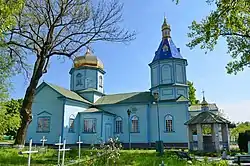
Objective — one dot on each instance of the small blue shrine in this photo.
(136, 118)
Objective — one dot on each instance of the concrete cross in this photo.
(29, 152)
(79, 147)
(162, 164)
(63, 150)
(59, 147)
(43, 140)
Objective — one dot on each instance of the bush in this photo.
(243, 141)
(107, 154)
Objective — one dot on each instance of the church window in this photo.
(135, 124)
(89, 125)
(79, 79)
(169, 123)
(71, 123)
(100, 81)
(118, 125)
(43, 124)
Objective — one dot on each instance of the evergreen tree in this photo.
(191, 93)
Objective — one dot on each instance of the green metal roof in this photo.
(89, 90)
(96, 110)
(197, 107)
(207, 117)
(122, 98)
(67, 93)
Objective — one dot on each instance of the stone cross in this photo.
(43, 140)
(59, 147)
(79, 147)
(63, 150)
(29, 152)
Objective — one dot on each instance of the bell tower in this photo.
(168, 68)
(87, 75)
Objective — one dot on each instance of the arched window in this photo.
(118, 125)
(71, 123)
(78, 79)
(135, 124)
(100, 81)
(169, 123)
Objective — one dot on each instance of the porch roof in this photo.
(207, 117)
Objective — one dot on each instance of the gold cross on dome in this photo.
(165, 48)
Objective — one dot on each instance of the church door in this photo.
(108, 131)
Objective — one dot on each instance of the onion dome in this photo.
(88, 60)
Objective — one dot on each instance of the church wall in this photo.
(90, 138)
(84, 78)
(71, 110)
(182, 91)
(179, 112)
(96, 97)
(46, 104)
(141, 113)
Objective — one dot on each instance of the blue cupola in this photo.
(168, 68)
(167, 48)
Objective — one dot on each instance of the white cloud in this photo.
(237, 111)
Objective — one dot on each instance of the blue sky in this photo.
(127, 65)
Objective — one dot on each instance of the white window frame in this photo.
(118, 125)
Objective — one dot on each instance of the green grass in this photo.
(10, 157)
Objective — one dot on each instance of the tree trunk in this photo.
(26, 112)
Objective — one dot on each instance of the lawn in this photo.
(9, 157)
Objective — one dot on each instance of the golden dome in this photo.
(88, 60)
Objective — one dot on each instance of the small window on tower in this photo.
(100, 81)
(79, 79)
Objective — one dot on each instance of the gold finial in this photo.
(88, 52)
(204, 102)
(203, 94)
(165, 28)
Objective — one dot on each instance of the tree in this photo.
(48, 28)
(240, 128)
(7, 11)
(10, 117)
(231, 21)
(13, 116)
(191, 93)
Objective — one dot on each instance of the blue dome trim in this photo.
(166, 50)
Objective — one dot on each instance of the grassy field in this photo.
(9, 157)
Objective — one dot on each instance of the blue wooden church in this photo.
(137, 118)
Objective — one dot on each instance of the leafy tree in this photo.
(10, 117)
(47, 28)
(191, 93)
(7, 11)
(13, 115)
(231, 21)
(240, 128)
